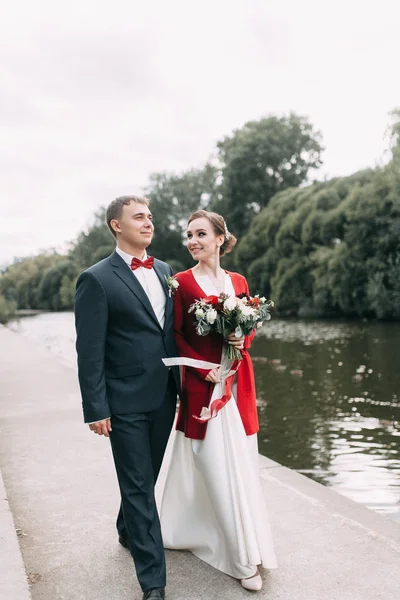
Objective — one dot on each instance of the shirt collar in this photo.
(128, 257)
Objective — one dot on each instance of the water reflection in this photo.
(329, 405)
(328, 395)
(54, 331)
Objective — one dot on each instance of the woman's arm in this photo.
(184, 348)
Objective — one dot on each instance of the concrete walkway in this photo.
(63, 495)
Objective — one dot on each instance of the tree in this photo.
(67, 292)
(172, 199)
(261, 159)
(20, 281)
(331, 248)
(48, 295)
(92, 245)
(7, 309)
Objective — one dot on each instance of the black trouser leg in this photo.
(121, 523)
(138, 443)
(161, 425)
(130, 441)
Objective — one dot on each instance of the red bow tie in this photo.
(147, 264)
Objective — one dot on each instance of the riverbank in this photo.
(63, 495)
(327, 395)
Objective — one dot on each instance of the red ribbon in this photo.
(219, 403)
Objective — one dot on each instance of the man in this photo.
(124, 325)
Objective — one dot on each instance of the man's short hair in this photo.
(114, 209)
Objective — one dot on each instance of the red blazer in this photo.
(196, 391)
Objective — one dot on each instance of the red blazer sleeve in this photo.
(184, 348)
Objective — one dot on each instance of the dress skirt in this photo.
(213, 504)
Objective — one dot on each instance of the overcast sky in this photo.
(96, 95)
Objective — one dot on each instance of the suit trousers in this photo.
(138, 442)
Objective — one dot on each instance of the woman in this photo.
(213, 503)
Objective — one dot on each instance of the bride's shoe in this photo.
(254, 584)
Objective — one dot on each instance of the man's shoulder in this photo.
(98, 268)
(162, 264)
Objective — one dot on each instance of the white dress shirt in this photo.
(150, 283)
(152, 286)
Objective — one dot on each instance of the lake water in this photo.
(328, 396)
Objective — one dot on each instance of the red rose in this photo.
(213, 300)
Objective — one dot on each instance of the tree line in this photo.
(316, 248)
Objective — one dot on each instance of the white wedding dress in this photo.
(213, 503)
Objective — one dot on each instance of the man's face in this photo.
(135, 226)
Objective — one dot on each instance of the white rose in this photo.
(199, 313)
(263, 299)
(247, 311)
(230, 303)
(175, 284)
(211, 316)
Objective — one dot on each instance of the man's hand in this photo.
(101, 427)
(234, 341)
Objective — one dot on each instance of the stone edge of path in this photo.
(13, 579)
(332, 503)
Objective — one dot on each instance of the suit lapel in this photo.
(168, 300)
(122, 270)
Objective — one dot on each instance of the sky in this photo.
(96, 95)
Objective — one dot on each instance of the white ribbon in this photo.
(182, 361)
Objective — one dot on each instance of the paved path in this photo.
(62, 492)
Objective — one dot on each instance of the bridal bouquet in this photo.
(230, 314)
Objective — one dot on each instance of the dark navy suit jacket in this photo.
(120, 342)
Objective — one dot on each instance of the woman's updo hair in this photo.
(220, 228)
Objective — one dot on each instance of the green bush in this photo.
(7, 309)
(332, 248)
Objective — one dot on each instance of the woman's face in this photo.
(202, 242)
